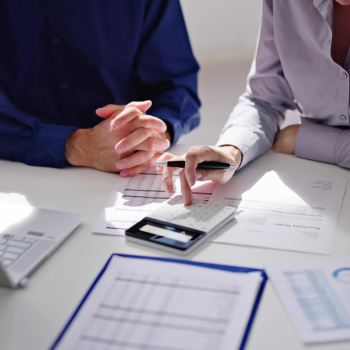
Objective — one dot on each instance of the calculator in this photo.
(179, 229)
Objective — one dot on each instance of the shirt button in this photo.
(56, 40)
(343, 117)
(64, 86)
(344, 75)
(49, 160)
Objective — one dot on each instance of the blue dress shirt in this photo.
(61, 60)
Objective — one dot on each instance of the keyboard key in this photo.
(6, 262)
(3, 241)
(10, 256)
(2, 246)
(30, 240)
(1, 253)
(15, 250)
(7, 236)
(18, 244)
(17, 238)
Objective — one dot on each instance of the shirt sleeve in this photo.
(256, 119)
(26, 139)
(166, 68)
(323, 143)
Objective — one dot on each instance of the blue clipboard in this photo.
(210, 266)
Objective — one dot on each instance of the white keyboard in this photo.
(13, 247)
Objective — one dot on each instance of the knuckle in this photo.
(206, 148)
(192, 149)
(134, 110)
(190, 156)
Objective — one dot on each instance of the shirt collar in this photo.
(325, 7)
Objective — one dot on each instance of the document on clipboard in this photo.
(162, 304)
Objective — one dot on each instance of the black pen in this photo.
(204, 165)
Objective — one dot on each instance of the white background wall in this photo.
(222, 30)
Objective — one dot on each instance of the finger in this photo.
(153, 145)
(141, 105)
(134, 159)
(106, 111)
(124, 117)
(139, 168)
(168, 173)
(193, 158)
(168, 156)
(185, 188)
(218, 176)
(132, 140)
(135, 121)
(164, 157)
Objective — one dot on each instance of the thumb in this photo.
(143, 106)
(106, 111)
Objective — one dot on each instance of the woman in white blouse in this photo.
(302, 62)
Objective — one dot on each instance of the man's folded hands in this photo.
(127, 140)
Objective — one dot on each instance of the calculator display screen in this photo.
(165, 233)
(177, 236)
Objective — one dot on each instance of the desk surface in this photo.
(31, 318)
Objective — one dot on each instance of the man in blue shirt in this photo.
(62, 60)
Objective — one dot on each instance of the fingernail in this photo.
(120, 165)
(116, 125)
(198, 175)
(124, 174)
(120, 149)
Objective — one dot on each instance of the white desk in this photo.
(31, 318)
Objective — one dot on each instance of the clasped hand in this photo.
(127, 140)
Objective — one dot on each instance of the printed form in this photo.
(133, 198)
(275, 209)
(316, 296)
(145, 304)
(281, 210)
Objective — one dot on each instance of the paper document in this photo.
(316, 297)
(133, 198)
(145, 304)
(281, 210)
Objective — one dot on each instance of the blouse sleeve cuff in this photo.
(317, 142)
(249, 141)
